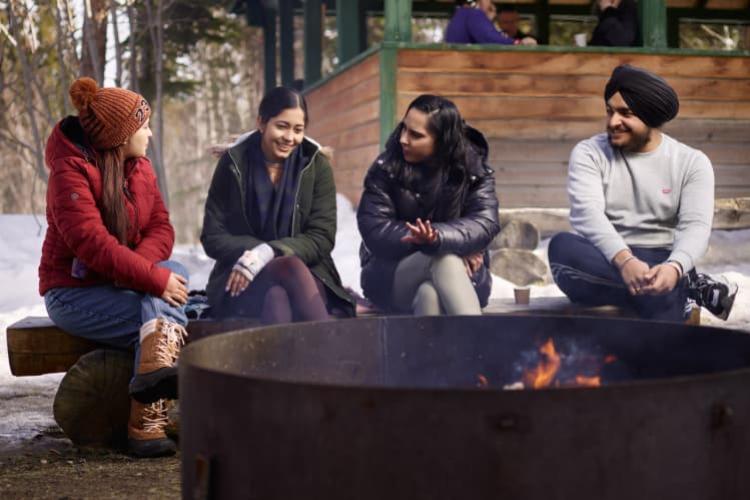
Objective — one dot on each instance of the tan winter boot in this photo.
(156, 375)
(146, 437)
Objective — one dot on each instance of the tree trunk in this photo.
(94, 42)
(28, 76)
(118, 46)
(154, 13)
(133, 62)
(60, 36)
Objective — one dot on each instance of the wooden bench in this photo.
(91, 404)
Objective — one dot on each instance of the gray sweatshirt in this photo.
(663, 198)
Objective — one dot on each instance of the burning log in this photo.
(545, 372)
(561, 370)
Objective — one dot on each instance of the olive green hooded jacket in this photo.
(227, 232)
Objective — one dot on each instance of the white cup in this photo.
(580, 39)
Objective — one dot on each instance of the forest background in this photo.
(200, 66)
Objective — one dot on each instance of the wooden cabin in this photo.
(533, 103)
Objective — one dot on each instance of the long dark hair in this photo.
(111, 164)
(277, 100)
(445, 124)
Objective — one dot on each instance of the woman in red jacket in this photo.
(104, 272)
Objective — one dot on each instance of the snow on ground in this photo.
(25, 403)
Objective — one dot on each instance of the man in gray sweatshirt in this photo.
(642, 205)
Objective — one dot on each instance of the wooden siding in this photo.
(535, 106)
(345, 115)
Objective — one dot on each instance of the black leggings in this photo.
(284, 291)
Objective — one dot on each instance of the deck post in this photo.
(313, 40)
(388, 62)
(269, 48)
(352, 32)
(397, 29)
(653, 16)
(286, 27)
(397, 21)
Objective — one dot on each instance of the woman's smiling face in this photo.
(282, 133)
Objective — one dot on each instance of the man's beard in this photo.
(636, 143)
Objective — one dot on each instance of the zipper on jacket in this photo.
(296, 194)
(238, 175)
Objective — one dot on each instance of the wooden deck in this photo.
(533, 106)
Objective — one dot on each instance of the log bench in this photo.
(91, 404)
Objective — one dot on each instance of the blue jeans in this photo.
(583, 273)
(110, 315)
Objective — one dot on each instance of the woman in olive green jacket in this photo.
(270, 222)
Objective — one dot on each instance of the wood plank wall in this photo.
(535, 106)
(344, 114)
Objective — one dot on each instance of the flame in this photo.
(609, 358)
(544, 373)
(584, 381)
(482, 381)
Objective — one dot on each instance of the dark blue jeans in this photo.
(111, 315)
(583, 273)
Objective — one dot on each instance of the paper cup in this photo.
(580, 39)
(522, 295)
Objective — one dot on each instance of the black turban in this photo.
(648, 96)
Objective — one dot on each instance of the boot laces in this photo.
(171, 341)
(155, 416)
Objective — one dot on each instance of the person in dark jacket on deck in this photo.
(270, 222)
(104, 272)
(427, 215)
(618, 24)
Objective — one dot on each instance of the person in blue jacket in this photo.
(471, 24)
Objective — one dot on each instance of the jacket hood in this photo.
(66, 140)
(477, 142)
(238, 147)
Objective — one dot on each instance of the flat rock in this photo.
(516, 234)
(520, 267)
(548, 221)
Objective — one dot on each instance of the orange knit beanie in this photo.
(109, 116)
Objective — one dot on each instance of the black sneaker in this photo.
(715, 295)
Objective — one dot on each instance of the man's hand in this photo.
(634, 273)
(176, 292)
(421, 233)
(662, 279)
(473, 262)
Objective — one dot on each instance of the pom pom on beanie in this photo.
(83, 92)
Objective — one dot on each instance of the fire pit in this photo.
(387, 408)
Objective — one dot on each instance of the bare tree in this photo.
(118, 46)
(133, 61)
(155, 17)
(94, 43)
(15, 12)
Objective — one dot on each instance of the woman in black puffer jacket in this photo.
(427, 215)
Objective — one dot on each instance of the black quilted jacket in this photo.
(387, 202)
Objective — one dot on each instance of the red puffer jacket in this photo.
(78, 249)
